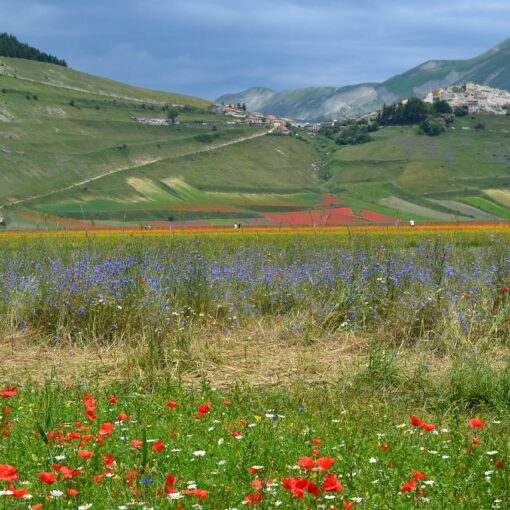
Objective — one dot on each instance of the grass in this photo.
(162, 370)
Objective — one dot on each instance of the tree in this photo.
(172, 114)
(442, 107)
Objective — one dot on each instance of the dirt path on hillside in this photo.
(141, 165)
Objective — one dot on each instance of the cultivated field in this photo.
(326, 368)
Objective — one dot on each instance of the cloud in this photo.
(209, 47)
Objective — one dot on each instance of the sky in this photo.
(208, 48)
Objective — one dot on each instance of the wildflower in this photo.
(253, 499)
(108, 460)
(47, 477)
(332, 484)
(56, 493)
(325, 463)
(136, 443)
(199, 453)
(385, 447)
(306, 462)
(172, 404)
(158, 446)
(477, 422)
(418, 475)
(8, 392)
(106, 429)
(8, 473)
(347, 505)
(72, 492)
(409, 486)
(85, 454)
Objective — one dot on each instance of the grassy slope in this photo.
(400, 164)
(59, 127)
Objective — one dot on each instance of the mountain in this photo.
(315, 103)
(11, 47)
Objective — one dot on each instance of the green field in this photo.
(72, 154)
(416, 174)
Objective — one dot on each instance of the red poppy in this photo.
(348, 505)
(90, 406)
(409, 486)
(47, 477)
(477, 422)
(8, 392)
(253, 499)
(332, 484)
(227, 403)
(254, 469)
(171, 403)
(416, 421)
(316, 452)
(18, 493)
(385, 447)
(257, 484)
(418, 475)
(113, 399)
(68, 472)
(72, 492)
(306, 462)
(158, 446)
(504, 290)
(85, 454)
(205, 408)
(136, 443)
(8, 473)
(108, 460)
(325, 463)
(200, 493)
(143, 281)
(106, 429)
(38, 506)
(428, 427)
(317, 441)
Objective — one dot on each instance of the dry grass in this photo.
(267, 353)
(24, 357)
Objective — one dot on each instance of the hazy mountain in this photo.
(491, 68)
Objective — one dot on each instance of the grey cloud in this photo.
(208, 47)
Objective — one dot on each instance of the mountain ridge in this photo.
(317, 103)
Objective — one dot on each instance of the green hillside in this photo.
(462, 174)
(70, 147)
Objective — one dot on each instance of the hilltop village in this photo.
(473, 97)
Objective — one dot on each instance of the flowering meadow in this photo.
(416, 415)
(123, 448)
